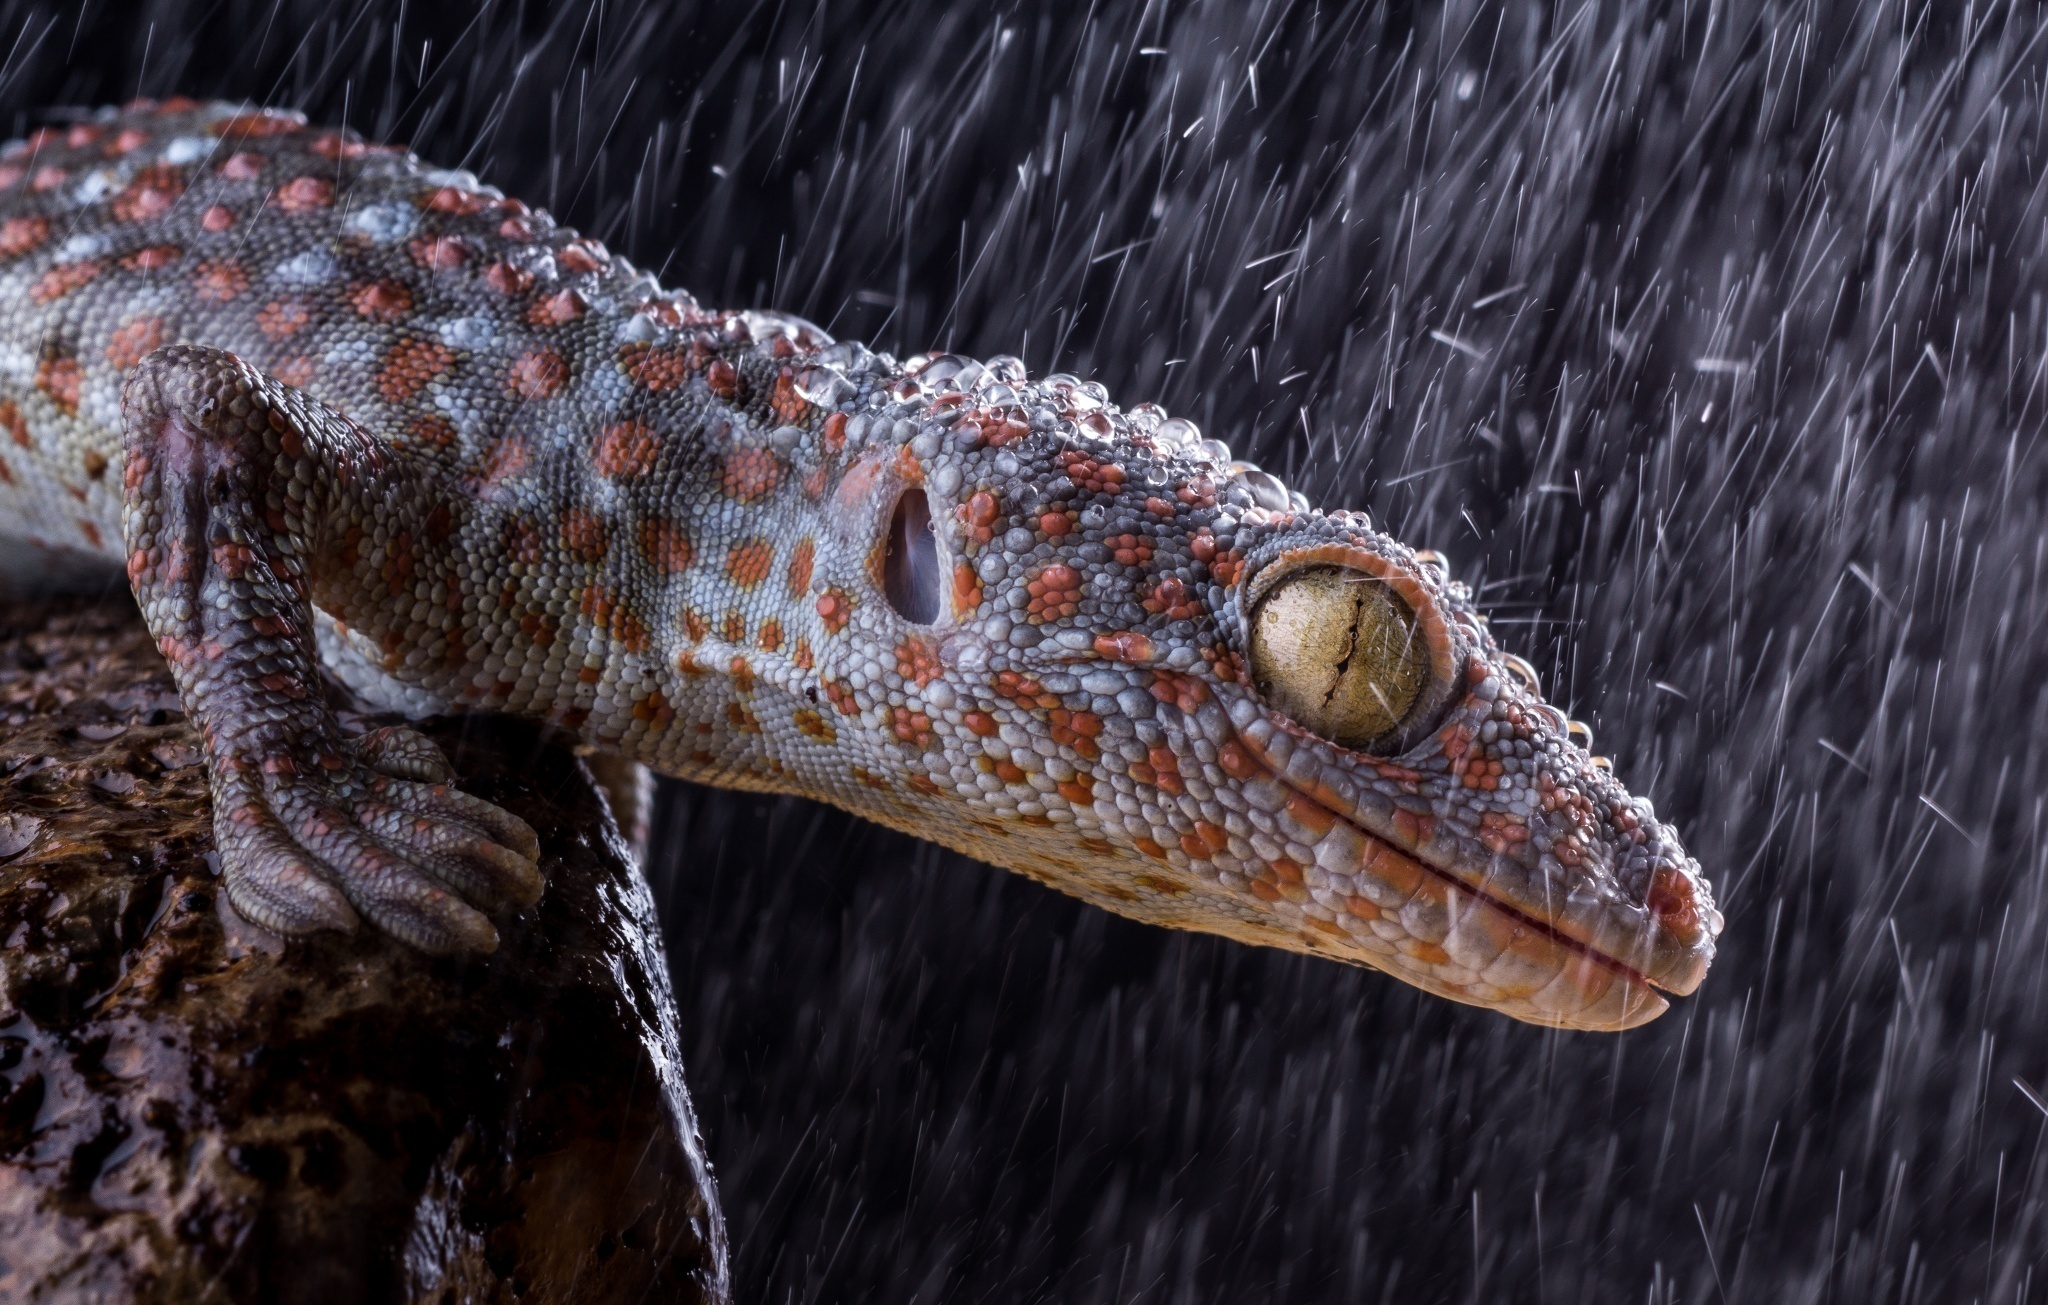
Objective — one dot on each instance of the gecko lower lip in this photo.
(1520, 917)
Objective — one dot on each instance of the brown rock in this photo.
(191, 1110)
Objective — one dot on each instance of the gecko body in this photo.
(341, 414)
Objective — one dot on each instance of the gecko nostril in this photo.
(910, 567)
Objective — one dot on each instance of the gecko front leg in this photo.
(235, 488)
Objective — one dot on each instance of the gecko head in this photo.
(1100, 651)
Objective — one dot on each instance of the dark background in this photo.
(1708, 339)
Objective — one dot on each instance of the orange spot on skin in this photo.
(133, 339)
(557, 309)
(912, 727)
(454, 200)
(1022, 690)
(11, 419)
(967, 593)
(1171, 599)
(150, 194)
(583, 534)
(60, 379)
(48, 178)
(785, 402)
(770, 638)
(127, 141)
(981, 724)
(1055, 593)
(1129, 550)
(538, 374)
(723, 380)
(583, 256)
(152, 258)
(297, 371)
(751, 475)
(1080, 790)
(916, 662)
(654, 709)
(219, 280)
(835, 609)
(695, 625)
(507, 279)
(667, 547)
(1674, 904)
(800, 563)
(1178, 690)
(335, 145)
(302, 195)
(438, 253)
(857, 485)
(217, 218)
(19, 235)
(283, 318)
(612, 613)
(381, 301)
(748, 562)
(835, 433)
(814, 726)
(656, 368)
(1237, 763)
(410, 365)
(1426, 952)
(507, 458)
(62, 279)
(625, 448)
(1128, 646)
(1091, 474)
(241, 167)
(842, 697)
(246, 124)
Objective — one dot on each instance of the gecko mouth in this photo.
(1459, 931)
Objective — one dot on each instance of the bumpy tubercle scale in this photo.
(385, 424)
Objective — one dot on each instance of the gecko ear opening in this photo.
(910, 567)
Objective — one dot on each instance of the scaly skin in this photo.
(355, 416)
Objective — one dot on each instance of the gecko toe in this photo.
(274, 884)
(461, 856)
(404, 754)
(389, 889)
(445, 802)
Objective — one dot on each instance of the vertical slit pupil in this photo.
(910, 569)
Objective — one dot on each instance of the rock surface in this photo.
(191, 1110)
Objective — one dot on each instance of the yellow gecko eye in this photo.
(1338, 650)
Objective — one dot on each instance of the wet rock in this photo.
(192, 1110)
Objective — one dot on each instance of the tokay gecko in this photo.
(348, 418)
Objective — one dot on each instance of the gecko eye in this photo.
(1338, 651)
(910, 567)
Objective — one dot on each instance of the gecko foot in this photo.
(376, 833)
